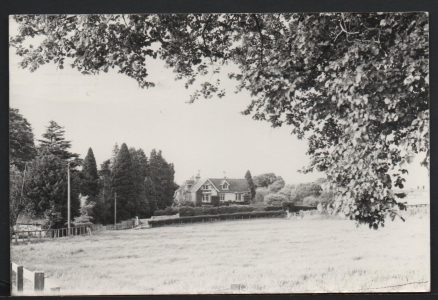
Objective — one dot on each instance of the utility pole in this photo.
(68, 198)
(115, 208)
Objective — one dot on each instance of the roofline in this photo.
(213, 185)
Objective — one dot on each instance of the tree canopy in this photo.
(89, 176)
(53, 142)
(356, 85)
(21, 139)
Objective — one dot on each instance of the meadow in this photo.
(311, 254)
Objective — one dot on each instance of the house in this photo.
(27, 223)
(211, 191)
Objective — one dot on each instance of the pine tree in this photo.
(54, 142)
(123, 184)
(251, 185)
(90, 184)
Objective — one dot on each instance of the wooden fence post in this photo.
(39, 281)
(19, 278)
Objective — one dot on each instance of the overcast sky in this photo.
(208, 135)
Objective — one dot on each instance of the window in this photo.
(205, 197)
(238, 197)
(205, 187)
(222, 196)
(225, 186)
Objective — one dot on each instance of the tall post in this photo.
(115, 208)
(68, 197)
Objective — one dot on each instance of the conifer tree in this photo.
(123, 184)
(90, 178)
(251, 185)
(54, 142)
(46, 190)
(150, 194)
(162, 176)
(102, 210)
(140, 166)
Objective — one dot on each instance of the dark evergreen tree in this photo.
(21, 140)
(54, 142)
(162, 176)
(46, 190)
(140, 166)
(102, 210)
(123, 184)
(251, 185)
(150, 194)
(90, 178)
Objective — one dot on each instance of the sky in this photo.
(210, 135)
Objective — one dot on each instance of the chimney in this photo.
(198, 176)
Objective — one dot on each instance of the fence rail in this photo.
(28, 236)
(39, 235)
(37, 279)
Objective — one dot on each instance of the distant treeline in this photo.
(38, 179)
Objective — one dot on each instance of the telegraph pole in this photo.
(68, 198)
(115, 208)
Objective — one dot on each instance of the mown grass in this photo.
(310, 254)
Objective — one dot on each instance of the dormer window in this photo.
(225, 186)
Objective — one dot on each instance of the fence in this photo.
(28, 236)
(37, 279)
(39, 235)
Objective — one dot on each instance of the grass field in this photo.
(313, 254)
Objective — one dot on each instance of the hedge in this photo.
(168, 211)
(208, 218)
(189, 211)
(292, 207)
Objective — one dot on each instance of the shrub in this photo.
(185, 211)
(311, 201)
(186, 203)
(168, 211)
(275, 199)
(260, 194)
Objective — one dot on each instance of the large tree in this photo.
(53, 142)
(21, 140)
(102, 213)
(45, 190)
(356, 85)
(140, 171)
(123, 185)
(89, 176)
(162, 175)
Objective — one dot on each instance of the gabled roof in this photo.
(26, 219)
(235, 185)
